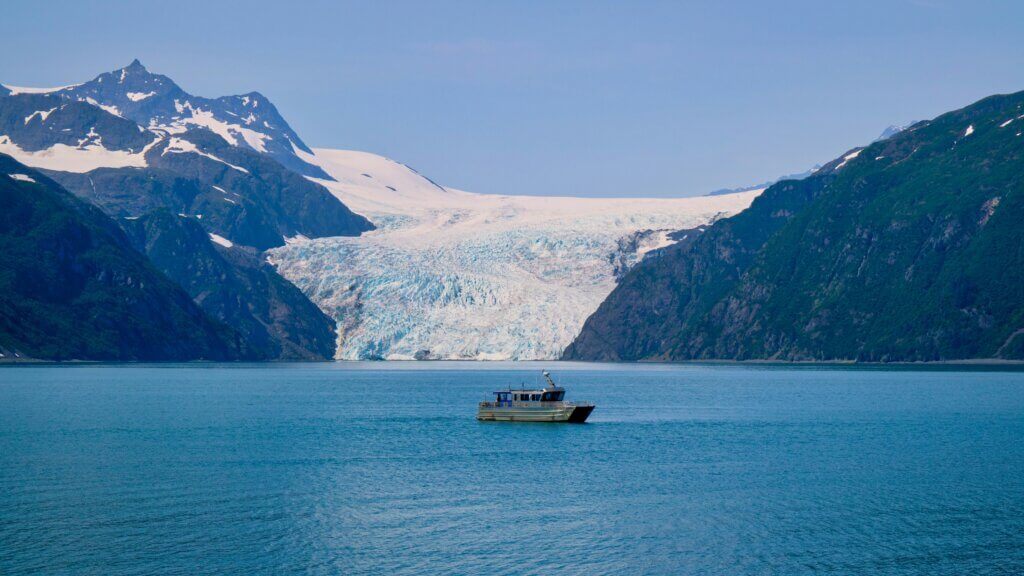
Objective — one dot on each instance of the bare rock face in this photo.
(234, 285)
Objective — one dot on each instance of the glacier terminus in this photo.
(466, 276)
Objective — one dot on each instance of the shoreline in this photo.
(979, 362)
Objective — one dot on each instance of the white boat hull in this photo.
(567, 413)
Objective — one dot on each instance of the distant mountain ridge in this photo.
(908, 249)
(889, 132)
(763, 185)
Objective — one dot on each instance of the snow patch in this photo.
(83, 158)
(22, 177)
(205, 118)
(218, 239)
(15, 90)
(849, 157)
(43, 114)
(969, 131)
(1007, 123)
(111, 109)
(182, 146)
(139, 96)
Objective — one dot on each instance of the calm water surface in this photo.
(373, 469)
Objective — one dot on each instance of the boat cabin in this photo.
(506, 397)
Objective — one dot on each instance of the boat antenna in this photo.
(547, 376)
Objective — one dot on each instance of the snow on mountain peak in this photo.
(154, 101)
(88, 155)
(459, 275)
(15, 90)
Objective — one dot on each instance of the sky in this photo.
(554, 98)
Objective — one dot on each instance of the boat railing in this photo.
(533, 404)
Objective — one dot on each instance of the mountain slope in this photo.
(457, 275)
(72, 287)
(908, 249)
(235, 286)
(235, 193)
(131, 140)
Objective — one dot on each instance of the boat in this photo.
(534, 405)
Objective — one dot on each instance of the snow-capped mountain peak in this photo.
(893, 130)
(157, 103)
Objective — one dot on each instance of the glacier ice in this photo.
(456, 275)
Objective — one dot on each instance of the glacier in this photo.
(450, 274)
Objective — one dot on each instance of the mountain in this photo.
(908, 249)
(893, 130)
(133, 141)
(450, 274)
(234, 285)
(889, 131)
(457, 275)
(200, 188)
(72, 286)
(236, 193)
(155, 102)
(763, 185)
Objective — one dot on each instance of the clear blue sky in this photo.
(587, 98)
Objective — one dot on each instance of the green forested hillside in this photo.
(72, 287)
(910, 249)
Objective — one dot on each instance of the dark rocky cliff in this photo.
(237, 287)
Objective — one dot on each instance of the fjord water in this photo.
(382, 469)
